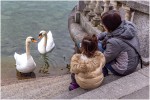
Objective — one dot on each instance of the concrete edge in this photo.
(145, 61)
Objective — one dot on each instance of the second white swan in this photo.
(47, 43)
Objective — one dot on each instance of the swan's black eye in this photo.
(40, 34)
(32, 39)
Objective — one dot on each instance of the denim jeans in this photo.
(108, 65)
(100, 47)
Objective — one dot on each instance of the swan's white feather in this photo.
(24, 64)
(41, 47)
(50, 44)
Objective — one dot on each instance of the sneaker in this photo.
(73, 86)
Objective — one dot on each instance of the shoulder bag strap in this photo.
(133, 48)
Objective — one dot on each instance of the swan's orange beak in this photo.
(33, 40)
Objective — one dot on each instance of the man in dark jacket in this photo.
(121, 58)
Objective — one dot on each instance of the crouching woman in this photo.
(86, 68)
(119, 44)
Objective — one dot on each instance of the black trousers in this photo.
(73, 78)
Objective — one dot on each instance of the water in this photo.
(20, 19)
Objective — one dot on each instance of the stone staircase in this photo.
(45, 88)
(57, 87)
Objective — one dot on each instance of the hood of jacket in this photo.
(126, 30)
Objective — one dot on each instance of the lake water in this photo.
(20, 19)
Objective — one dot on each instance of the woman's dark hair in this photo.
(89, 45)
(111, 20)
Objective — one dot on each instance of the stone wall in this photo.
(141, 20)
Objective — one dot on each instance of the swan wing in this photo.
(31, 65)
(50, 42)
(49, 34)
(50, 47)
(23, 64)
(30, 61)
(21, 59)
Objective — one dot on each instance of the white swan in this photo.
(25, 62)
(47, 43)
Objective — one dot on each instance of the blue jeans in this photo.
(108, 65)
(100, 47)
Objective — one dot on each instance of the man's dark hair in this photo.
(89, 45)
(111, 20)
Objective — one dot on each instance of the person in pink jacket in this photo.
(86, 68)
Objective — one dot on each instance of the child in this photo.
(86, 68)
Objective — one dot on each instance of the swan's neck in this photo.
(45, 40)
(27, 49)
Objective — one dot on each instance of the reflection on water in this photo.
(44, 68)
(21, 76)
(20, 19)
(67, 65)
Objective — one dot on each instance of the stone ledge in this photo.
(85, 24)
(119, 88)
(145, 61)
(140, 94)
(141, 6)
(144, 71)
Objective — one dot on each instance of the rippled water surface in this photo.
(20, 19)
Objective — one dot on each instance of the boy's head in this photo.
(111, 20)
(89, 45)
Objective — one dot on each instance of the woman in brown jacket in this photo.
(86, 68)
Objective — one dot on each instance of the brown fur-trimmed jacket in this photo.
(88, 71)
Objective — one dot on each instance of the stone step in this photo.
(70, 94)
(79, 91)
(39, 93)
(20, 89)
(46, 88)
(125, 86)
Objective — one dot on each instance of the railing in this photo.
(93, 9)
